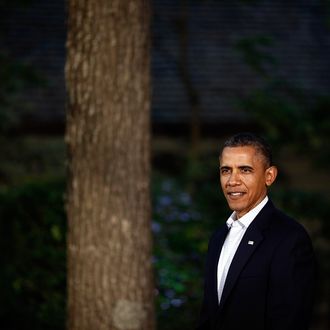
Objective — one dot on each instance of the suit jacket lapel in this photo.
(246, 249)
(242, 255)
(215, 258)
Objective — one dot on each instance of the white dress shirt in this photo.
(237, 229)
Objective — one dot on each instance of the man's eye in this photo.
(246, 170)
(224, 170)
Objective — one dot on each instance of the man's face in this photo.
(244, 178)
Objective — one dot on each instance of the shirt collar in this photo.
(247, 218)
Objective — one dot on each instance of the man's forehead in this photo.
(244, 154)
(241, 151)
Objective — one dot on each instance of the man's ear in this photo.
(271, 174)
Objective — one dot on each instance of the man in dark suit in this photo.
(260, 267)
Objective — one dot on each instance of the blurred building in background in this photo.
(206, 57)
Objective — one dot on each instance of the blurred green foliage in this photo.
(14, 77)
(33, 277)
(181, 231)
(30, 158)
(256, 53)
(287, 115)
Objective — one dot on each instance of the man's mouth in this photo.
(236, 194)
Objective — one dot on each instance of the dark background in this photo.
(218, 67)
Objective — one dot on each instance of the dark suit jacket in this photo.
(269, 285)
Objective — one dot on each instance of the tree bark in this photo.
(110, 282)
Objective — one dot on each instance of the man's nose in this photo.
(234, 179)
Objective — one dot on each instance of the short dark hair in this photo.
(253, 140)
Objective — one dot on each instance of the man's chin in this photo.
(238, 209)
(235, 205)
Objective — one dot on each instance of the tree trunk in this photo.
(110, 284)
